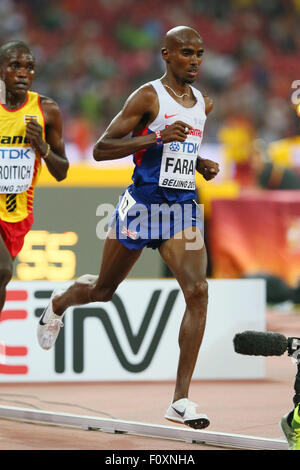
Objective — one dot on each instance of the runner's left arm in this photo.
(207, 168)
(54, 155)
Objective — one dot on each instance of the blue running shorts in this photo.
(141, 224)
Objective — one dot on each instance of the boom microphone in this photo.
(258, 343)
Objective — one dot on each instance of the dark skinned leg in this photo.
(189, 268)
(6, 271)
(117, 261)
(296, 398)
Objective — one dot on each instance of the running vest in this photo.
(167, 172)
(20, 165)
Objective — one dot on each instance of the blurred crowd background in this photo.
(92, 54)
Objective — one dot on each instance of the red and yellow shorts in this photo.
(13, 234)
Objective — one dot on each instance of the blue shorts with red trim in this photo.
(139, 224)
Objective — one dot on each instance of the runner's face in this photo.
(18, 71)
(185, 59)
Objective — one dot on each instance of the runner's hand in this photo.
(34, 133)
(178, 131)
(207, 168)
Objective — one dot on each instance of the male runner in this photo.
(30, 130)
(165, 119)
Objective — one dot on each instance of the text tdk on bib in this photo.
(16, 169)
(178, 164)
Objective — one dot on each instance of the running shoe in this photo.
(291, 428)
(184, 411)
(49, 324)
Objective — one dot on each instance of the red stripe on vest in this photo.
(139, 155)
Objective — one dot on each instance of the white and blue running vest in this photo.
(167, 172)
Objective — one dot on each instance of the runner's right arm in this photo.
(140, 109)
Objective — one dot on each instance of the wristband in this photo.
(158, 137)
(47, 152)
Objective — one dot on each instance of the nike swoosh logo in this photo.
(171, 115)
(181, 413)
(41, 319)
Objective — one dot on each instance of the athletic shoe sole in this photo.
(199, 423)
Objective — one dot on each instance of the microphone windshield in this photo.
(256, 343)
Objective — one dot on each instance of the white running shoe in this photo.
(184, 411)
(49, 323)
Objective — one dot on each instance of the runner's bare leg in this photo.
(6, 271)
(189, 268)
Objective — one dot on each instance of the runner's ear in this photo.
(165, 54)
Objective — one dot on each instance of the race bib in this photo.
(126, 203)
(16, 169)
(178, 165)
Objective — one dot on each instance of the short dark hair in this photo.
(5, 48)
